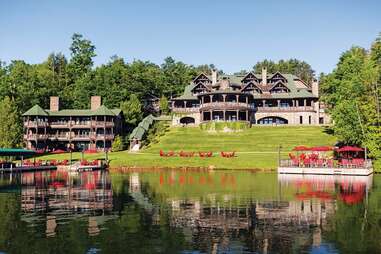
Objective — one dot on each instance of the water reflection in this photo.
(171, 211)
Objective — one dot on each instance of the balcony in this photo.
(35, 136)
(186, 110)
(102, 124)
(60, 124)
(284, 109)
(32, 124)
(60, 137)
(226, 105)
(104, 137)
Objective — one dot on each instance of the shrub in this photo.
(118, 144)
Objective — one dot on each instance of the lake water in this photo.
(181, 211)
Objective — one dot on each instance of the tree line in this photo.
(121, 84)
(352, 94)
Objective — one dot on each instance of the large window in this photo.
(272, 120)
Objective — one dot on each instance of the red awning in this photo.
(321, 148)
(349, 149)
(301, 148)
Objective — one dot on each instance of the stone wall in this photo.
(177, 117)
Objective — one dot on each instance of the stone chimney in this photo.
(214, 76)
(54, 103)
(315, 87)
(264, 76)
(96, 102)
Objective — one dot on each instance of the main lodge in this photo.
(264, 98)
(76, 129)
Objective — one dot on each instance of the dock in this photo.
(288, 167)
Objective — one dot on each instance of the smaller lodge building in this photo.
(75, 129)
(274, 99)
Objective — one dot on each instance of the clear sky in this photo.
(233, 34)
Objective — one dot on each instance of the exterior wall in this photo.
(177, 117)
(293, 118)
(91, 134)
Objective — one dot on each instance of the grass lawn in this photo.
(256, 148)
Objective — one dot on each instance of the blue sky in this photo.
(233, 35)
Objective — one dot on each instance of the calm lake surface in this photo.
(164, 211)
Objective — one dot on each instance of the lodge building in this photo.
(254, 98)
(77, 129)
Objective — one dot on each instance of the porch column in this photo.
(278, 103)
(264, 103)
(297, 103)
(224, 114)
(237, 98)
(211, 98)
(247, 100)
(247, 115)
(224, 98)
(211, 115)
(173, 104)
(305, 102)
(185, 104)
(202, 100)
(237, 113)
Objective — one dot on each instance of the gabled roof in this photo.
(248, 74)
(201, 75)
(249, 84)
(279, 82)
(200, 84)
(36, 110)
(277, 73)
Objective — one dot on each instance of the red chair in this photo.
(162, 154)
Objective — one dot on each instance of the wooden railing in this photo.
(35, 136)
(284, 109)
(33, 124)
(186, 110)
(226, 105)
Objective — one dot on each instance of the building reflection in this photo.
(268, 226)
(57, 197)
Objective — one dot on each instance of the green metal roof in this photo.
(142, 128)
(36, 110)
(15, 152)
(137, 133)
(101, 111)
(116, 111)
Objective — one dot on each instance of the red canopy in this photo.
(301, 148)
(349, 149)
(321, 148)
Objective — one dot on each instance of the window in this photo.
(272, 120)
(321, 120)
(309, 120)
(301, 119)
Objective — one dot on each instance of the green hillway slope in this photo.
(256, 148)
